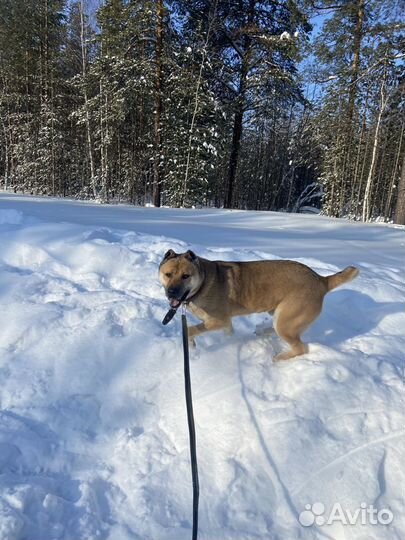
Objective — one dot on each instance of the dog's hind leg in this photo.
(297, 347)
(291, 319)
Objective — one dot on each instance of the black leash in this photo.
(190, 415)
(191, 427)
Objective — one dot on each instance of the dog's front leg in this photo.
(228, 330)
(194, 331)
(207, 326)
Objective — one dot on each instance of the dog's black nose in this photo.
(173, 291)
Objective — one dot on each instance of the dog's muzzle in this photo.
(176, 296)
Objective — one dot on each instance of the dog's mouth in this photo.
(176, 302)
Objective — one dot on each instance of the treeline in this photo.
(201, 102)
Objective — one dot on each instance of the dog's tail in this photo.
(345, 275)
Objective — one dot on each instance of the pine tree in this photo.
(199, 102)
(253, 46)
(30, 47)
(356, 50)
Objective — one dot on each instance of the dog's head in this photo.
(179, 273)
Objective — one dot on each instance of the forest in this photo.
(289, 105)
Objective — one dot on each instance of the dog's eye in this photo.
(185, 276)
(168, 274)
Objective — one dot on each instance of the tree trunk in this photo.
(86, 101)
(196, 102)
(238, 121)
(370, 177)
(357, 38)
(399, 214)
(234, 157)
(346, 179)
(387, 211)
(4, 123)
(104, 141)
(157, 179)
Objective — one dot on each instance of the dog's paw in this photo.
(192, 343)
(293, 353)
(283, 356)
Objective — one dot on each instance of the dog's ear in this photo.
(190, 255)
(169, 255)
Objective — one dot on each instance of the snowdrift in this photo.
(93, 433)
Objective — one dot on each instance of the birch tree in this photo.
(371, 172)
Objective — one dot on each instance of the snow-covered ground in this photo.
(93, 432)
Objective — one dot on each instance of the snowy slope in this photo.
(93, 433)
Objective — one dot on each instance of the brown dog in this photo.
(217, 291)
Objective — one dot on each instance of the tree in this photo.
(31, 40)
(400, 206)
(200, 102)
(252, 48)
(358, 43)
(157, 180)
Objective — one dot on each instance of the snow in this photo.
(93, 432)
(285, 36)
